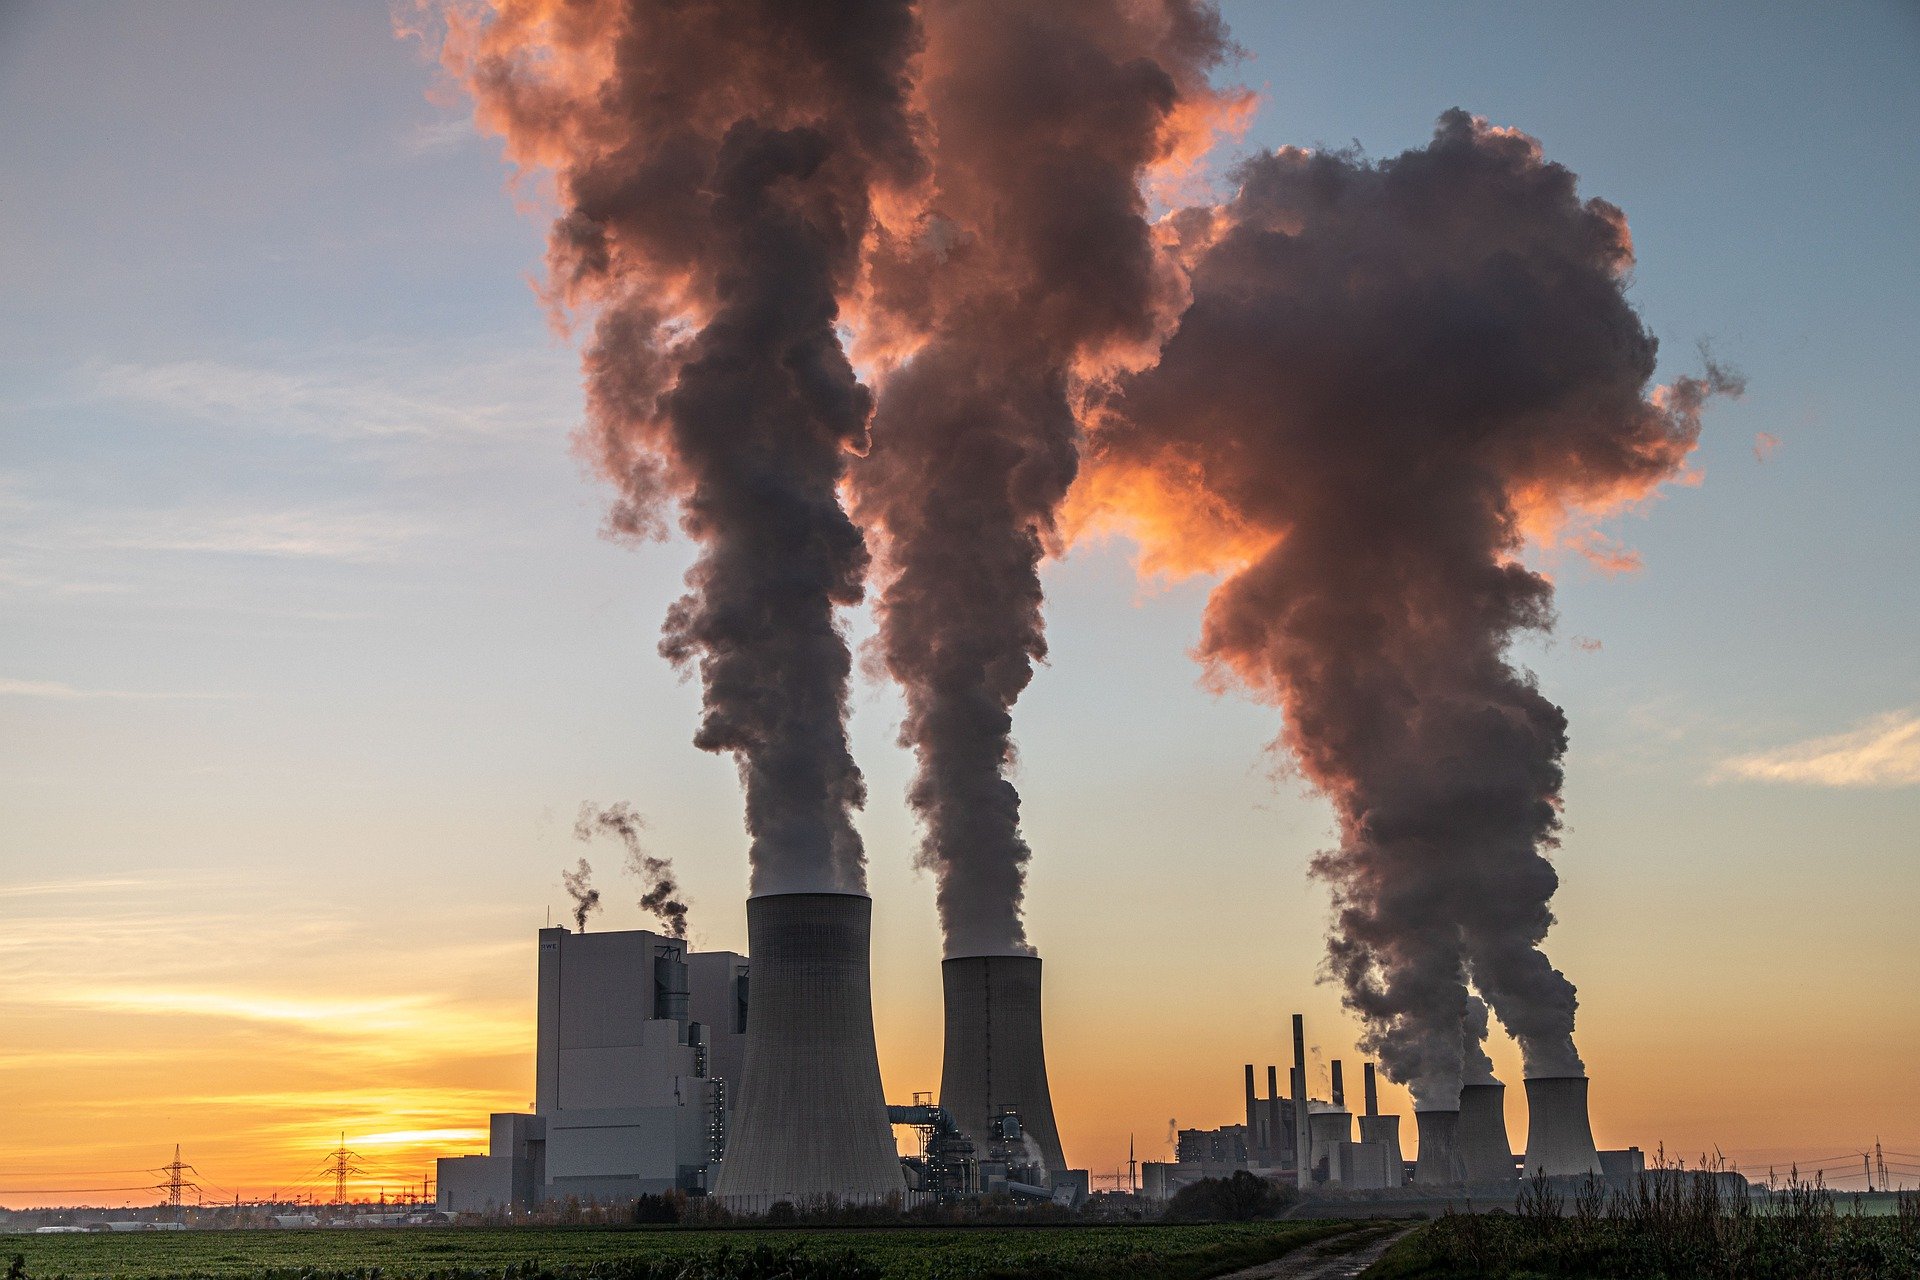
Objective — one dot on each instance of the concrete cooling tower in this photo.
(1559, 1135)
(1481, 1140)
(1436, 1165)
(811, 1121)
(995, 1059)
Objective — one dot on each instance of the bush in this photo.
(1241, 1198)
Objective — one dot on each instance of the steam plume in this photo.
(659, 895)
(717, 163)
(1391, 376)
(586, 900)
(1033, 269)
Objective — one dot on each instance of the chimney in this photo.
(995, 1057)
(1303, 1172)
(1372, 1092)
(1436, 1164)
(1339, 1087)
(811, 1121)
(1559, 1133)
(1276, 1135)
(1253, 1115)
(1481, 1140)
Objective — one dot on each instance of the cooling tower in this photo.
(1559, 1135)
(995, 1059)
(1436, 1165)
(1324, 1129)
(1481, 1140)
(811, 1121)
(1385, 1130)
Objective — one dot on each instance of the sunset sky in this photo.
(310, 646)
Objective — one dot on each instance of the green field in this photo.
(908, 1253)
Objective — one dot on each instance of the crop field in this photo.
(531, 1253)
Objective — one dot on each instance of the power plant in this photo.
(661, 1069)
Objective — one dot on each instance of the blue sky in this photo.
(307, 621)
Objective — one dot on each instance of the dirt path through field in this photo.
(1335, 1258)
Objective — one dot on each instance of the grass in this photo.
(1674, 1227)
(1162, 1252)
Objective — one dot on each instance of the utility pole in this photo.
(340, 1163)
(177, 1181)
(1880, 1159)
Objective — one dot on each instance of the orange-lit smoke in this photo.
(1392, 379)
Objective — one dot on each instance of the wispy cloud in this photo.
(307, 533)
(55, 888)
(393, 395)
(1882, 752)
(58, 691)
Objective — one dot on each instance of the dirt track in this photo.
(1337, 1258)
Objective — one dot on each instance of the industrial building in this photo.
(639, 1048)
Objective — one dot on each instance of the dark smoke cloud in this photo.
(586, 900)
(1033, 269)
(660, 895)
(1391, 375)
(717, 163)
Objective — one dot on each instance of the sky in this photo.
(310, 646)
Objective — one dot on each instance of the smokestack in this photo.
(1559, 1133)
(811, 1121)
(1339, 1086)
(1253, 1116)
(995, 1059)
(1276, 1137)
(1302, 1140)
(1372, 1091)
(1436, 1164)
(1385, 1130)
(1481, 1140)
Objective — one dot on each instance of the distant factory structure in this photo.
(1311, 1143)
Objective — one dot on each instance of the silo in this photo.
(1436, 1165)
(1481, 1140)
(811, 1120)
(995, 1059)
(1559, 1134)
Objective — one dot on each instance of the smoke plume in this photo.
(659, 894)
(586, 900)
(1033, 269)
(717, 162)
(1391, 377)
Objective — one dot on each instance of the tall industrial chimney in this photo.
(811, 1121)
(1436, 1165)
(1481, 1140)
(1559, 1134)
(1339, 1087)
(1372, 1090)
(995, 1060)
(1276, 1138)
(1302, 1140)
(1256, 1121)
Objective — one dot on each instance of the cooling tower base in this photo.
(1559, 1133)
(1481, 1140)
(811, 1121)
(996, 1059)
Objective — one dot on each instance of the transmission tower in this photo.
(176, 1179)
(340, 1165)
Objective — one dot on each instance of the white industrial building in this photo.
(641, 1045)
